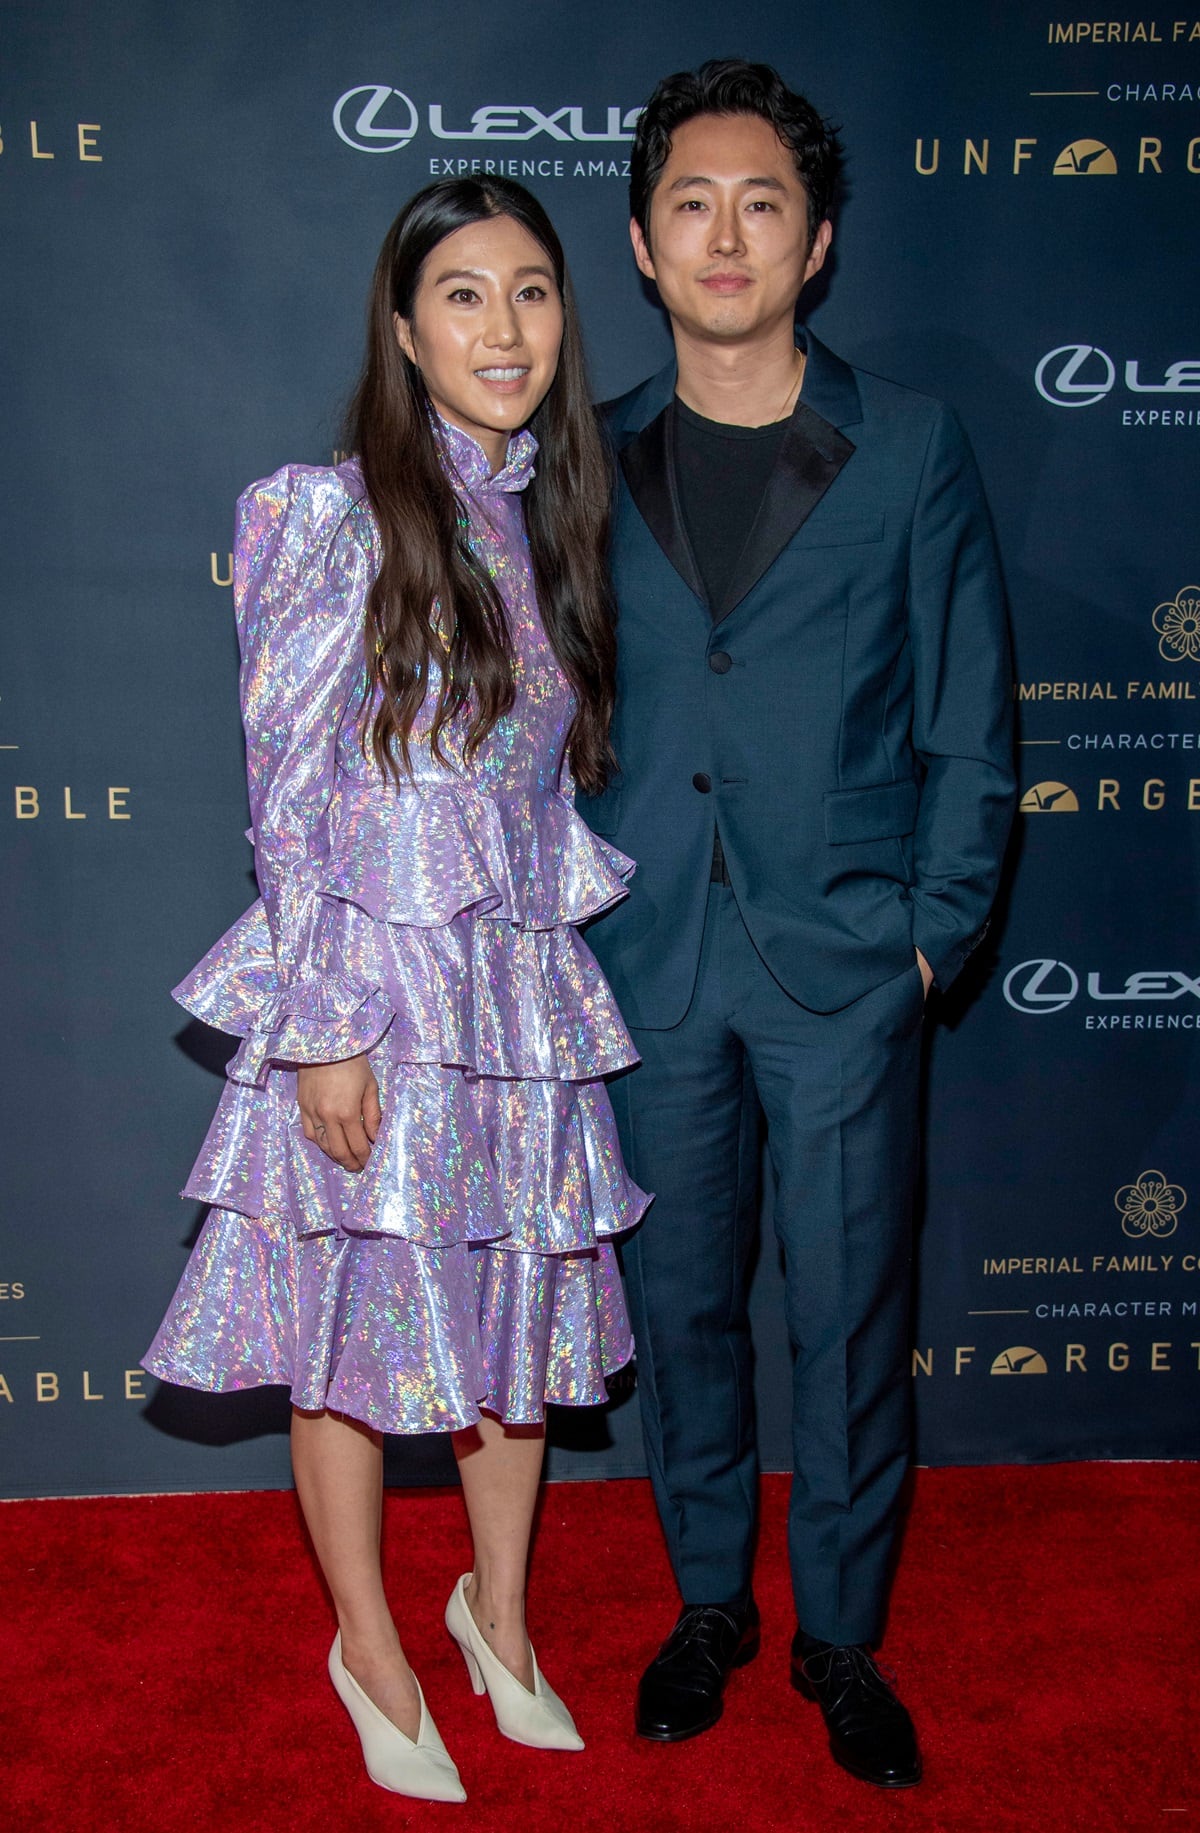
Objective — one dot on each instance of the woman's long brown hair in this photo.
(425, 559)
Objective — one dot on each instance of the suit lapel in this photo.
(812, 454)
(648, 463)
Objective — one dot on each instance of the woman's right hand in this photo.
(339, 1109)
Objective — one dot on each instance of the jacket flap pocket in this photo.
(882, 813)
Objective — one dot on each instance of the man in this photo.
(815, 779)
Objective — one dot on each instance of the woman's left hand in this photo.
(339, 1109)
(926, 972)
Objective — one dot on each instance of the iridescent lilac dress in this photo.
(469, 1265)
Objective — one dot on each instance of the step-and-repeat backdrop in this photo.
(192, 199)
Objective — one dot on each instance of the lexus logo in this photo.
(1057, 375)
(1048, 986)
(1041, 986)
(1079, 375)
(356, 116)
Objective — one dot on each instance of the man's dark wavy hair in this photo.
(731, 86)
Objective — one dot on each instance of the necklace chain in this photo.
(794, 386)
(793, 393)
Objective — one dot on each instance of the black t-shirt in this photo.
(722, 473)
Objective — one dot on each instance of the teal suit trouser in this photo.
(839, 1094)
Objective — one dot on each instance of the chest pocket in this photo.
(841, 531)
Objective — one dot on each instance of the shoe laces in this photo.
(836, 1672)
(701, 1624)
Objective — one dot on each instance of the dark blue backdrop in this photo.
(192, 199)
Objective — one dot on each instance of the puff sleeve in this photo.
(301, 577)
(303, 566)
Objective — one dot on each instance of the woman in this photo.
(414, 1169)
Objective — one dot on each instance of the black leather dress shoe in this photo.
(870, 1733)
(681, 1692)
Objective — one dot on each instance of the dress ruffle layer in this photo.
(408, 1338)
(395, 940)
(530, 1166)
(442, 845)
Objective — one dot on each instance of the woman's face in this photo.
(485, 330)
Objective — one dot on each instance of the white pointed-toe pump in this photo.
(423, 1769)
(537, 1718)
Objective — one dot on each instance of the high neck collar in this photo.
(468, 462)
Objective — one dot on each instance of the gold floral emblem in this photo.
(1178, 626)
(1151, 1206)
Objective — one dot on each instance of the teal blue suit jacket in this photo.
(843, 717)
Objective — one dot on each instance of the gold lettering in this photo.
(87, 1388)
(927, 171)
(922, 1360)
(1152, 792)
(1109, 791)
(1158, 1358)
(1193, 154)
(972, 156)
(1149, 152)
(71, 814)
(1195, 1346)
(33, 142)
(1019, 153)
(47, 1386)
(1118, 1357)
(962, 1356)
(5, 1391)
(116, 803)
(87, 138)
(216, 577)
(26, 798)
(133, 1384)
(1075, 1355)
(1193, 800)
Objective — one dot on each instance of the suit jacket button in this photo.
(702, 782)
(719, 662)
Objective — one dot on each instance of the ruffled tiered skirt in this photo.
(470, 1265)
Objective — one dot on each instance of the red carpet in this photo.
(164, 1667)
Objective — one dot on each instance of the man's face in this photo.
(728, 246)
